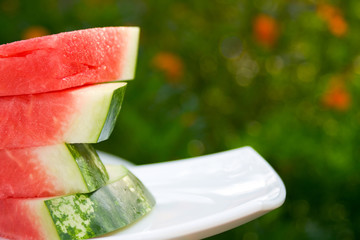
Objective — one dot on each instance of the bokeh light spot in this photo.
(253, 128)
(356, 65)
(337, 212)
(250, 236)
(208, 64)
(171, 64)
(265, 30)
(188, 119)
(337, 97)
(331, 127)
(244, 68)
(195, 147)
(333, 16)
(231, 47)
(9, 6)
(301, 50)
(306, 72)
(274, 65)
(35, 31)
(300, 209)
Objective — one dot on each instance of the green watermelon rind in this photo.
(113, 113)
(93, 171)
(112, 207)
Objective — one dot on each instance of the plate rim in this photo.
(206, 226)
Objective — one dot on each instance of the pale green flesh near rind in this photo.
(115, 172)
(90, 166)
(114, 110)
(81, 216)
(98, 108)
(131, 54)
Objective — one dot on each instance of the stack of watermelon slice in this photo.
(59, 94)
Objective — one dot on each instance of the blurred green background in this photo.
(281, 76)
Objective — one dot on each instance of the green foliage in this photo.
(207, 81)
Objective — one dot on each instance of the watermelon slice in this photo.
(50, 171)
(77, 216)
(80, 115)
(69, 59)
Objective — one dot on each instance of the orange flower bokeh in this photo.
(337, 96)
(334, 18)
(265, 30)
(171, 64)
(35, 31)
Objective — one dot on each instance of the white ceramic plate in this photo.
(203, 196)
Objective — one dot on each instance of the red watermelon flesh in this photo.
(52, 170)
(23, 217)
(69, 59)
(19, 167)
(74, 116)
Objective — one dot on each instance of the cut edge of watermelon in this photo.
(113, 113)
(51, 170)
(95, 121)
(70, 175)
(129, 67)
(91, 168)
(116, 171)
(44, 218)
